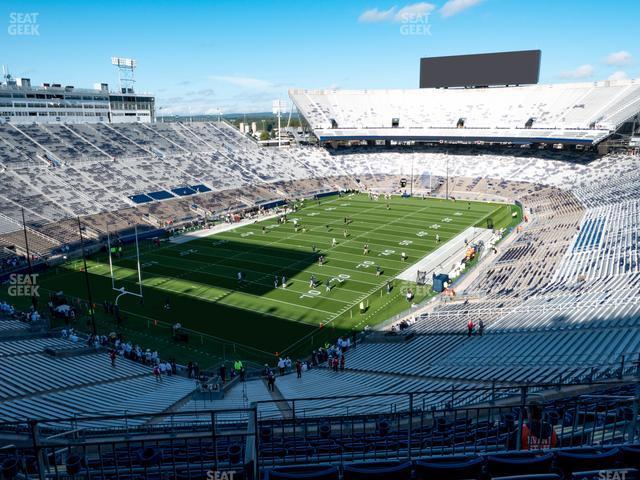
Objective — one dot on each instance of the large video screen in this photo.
(504, 68)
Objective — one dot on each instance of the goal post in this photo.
(122, 290)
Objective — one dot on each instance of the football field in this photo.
(254, 317)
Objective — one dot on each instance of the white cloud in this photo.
(414, 11)
(453, 7)
(619, 75)
(374, 15)
(619, 58)
(394, 14)
(583, 71)
(243, 82)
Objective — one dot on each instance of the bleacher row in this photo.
(60, 171)
(51, 377)
(581, 111)
(446, 443)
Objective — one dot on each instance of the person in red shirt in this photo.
(470, 328)
(536, 433)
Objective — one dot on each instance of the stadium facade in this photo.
(23, 103)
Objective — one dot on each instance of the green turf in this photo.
(254, 320)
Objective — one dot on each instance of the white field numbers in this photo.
(314, 293)
(366, 264)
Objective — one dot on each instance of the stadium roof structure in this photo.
(576, 113)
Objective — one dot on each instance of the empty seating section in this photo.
(148, 138)
(238, 397)
(85, 150)
(451, 443)
(322, 384)
(607, 244)
(586, 111)
(76, 381)
(8, 225)
(48, 142)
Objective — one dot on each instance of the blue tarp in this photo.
(183, 191)
(141, 198)
(160, 195)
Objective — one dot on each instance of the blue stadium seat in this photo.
(74, 464)
(235, 453)
(519, 464)
(587, 459)
(449, 468)
(398, 470)
(148, 456)
(314, 472)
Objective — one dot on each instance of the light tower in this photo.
(126, 69)
(278, 108)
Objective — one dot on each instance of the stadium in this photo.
(423, 283)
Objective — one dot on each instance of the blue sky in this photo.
(239, 55)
